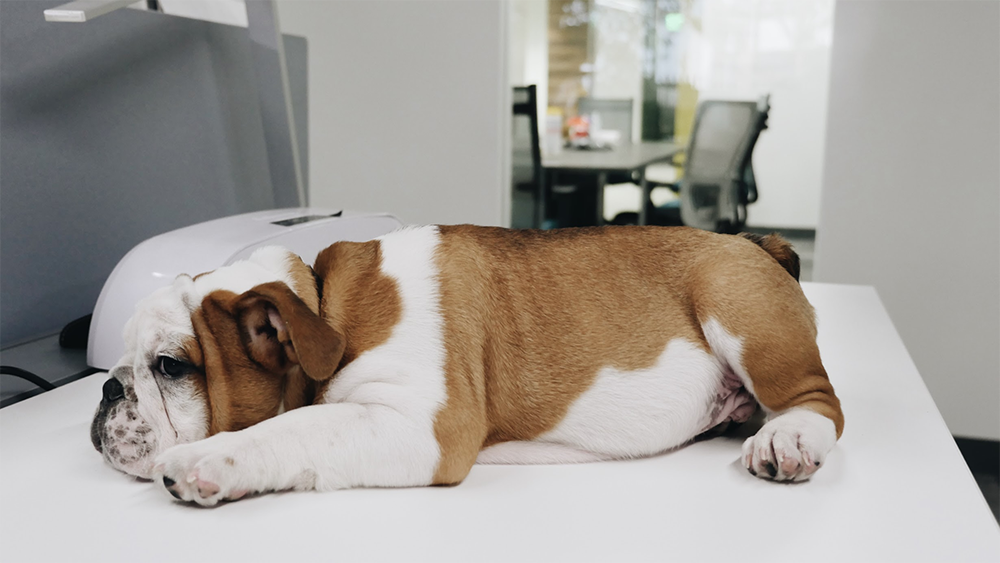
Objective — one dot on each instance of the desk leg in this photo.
(602, 178)
(644, 202)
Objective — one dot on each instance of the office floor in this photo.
(983, 458)
(990, 485)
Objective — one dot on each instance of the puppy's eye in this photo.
(172, 367)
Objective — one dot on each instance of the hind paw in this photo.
(791, 446)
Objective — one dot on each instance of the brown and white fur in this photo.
(401, 361)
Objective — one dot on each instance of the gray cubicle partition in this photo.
(113, 131)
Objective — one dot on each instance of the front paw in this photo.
(204, 472)
(791, 446)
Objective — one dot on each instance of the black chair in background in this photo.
(718, 181)
(527, 207)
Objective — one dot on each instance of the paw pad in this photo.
(206, 489)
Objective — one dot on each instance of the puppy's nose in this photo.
(113, 390)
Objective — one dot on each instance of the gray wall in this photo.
(409, 107)
(911, 188)
(112, 131)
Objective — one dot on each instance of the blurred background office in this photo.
(663, 57)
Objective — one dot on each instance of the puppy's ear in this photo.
(279, 331)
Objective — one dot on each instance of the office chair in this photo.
(527, 207)
(718, 181)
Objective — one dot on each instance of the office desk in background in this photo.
(894, 489)
(625, 158)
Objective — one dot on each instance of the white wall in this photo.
(528, 50)
(229, 12)
(618, 36)
(407, 101)
(408, 107)
(742, 49)
(911, 188)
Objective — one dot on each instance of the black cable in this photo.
(23, 374)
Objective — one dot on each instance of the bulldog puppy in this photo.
(401, 361)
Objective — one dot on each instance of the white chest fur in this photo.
(406, 373)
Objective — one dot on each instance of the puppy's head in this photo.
(215, 353)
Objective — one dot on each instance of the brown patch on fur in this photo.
(303, 282)
(530, 317)
(192, 351)
(240, 392)
(193, 354)
(299, 390)
(357, 299)
(779, 249)
(753, 300)
(279, 332)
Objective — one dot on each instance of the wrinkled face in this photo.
(209, 355)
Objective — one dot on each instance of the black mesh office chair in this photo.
(527, 206)
(718, 181)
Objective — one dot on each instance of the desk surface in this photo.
(44, 358)
(895, 488)
(623, 158)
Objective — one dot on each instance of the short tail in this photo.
(779, 249)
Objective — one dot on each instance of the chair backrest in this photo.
(720, 150)
(721, 130)
(526, 160)
(614, 114)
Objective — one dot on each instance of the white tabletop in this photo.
(625, 157)
(895, 488)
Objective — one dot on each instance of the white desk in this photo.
(895, 488)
